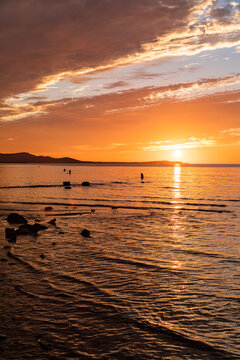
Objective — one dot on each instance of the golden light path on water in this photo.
(177, 225)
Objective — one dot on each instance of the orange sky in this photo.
(121, 81)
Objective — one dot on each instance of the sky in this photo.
(121, 80)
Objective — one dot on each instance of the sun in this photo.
(177, 153)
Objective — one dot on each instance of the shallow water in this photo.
(157, 279)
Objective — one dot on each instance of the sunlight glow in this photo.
(177, 153)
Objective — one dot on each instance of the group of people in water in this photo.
(70, 171)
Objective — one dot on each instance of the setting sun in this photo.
(177, 153)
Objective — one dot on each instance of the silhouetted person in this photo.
(142, 176)
(70, 171)
(64, 169)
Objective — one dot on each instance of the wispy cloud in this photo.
(231, 132)
(191, 143)
(195, 90)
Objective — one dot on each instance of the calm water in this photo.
(158, 278)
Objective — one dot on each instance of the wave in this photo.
(23, 262)
(118, 206)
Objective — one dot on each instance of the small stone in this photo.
(53, 243)
(42, 256)
(48, 208)
(85, 233)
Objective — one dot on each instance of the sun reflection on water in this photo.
(176, 184)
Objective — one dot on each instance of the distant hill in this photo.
(25, 157)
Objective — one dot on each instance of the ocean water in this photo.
(159, 277)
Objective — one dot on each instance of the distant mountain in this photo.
(25, 157)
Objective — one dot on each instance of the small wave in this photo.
(140, 264)
(118, 206)
(166, 329)
(23, 262)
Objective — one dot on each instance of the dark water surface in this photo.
(158, 278)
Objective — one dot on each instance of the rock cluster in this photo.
(24, 229)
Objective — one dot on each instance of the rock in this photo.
(10, 234)
(30, 229)
(85, 183)
(48, 208)
(92, 210)
(38, 227)
(85, 233)
(61, 232)
(52, 222)
(67, 187)
(3, 337)
(15, 218)
(53, 243)
(66, 183)
(42, 256)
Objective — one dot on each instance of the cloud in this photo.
(182, 144)
(231, 132)
(116, 85)
(194, 90)
(221, 12)
(45, 42)
(44, 39)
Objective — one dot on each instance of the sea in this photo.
(158, 277)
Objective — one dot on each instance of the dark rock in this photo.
(38, 227)
(48, 208)
(85, 233)
(66, 183)
(3, 259)
(92, 210)
(10, 234)
(52, 222)
(85, 183)
(15, 218)
(67, 187)
(30, 229)
(42, 256)
(61, 232)
(53, 243)
(3, 337)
